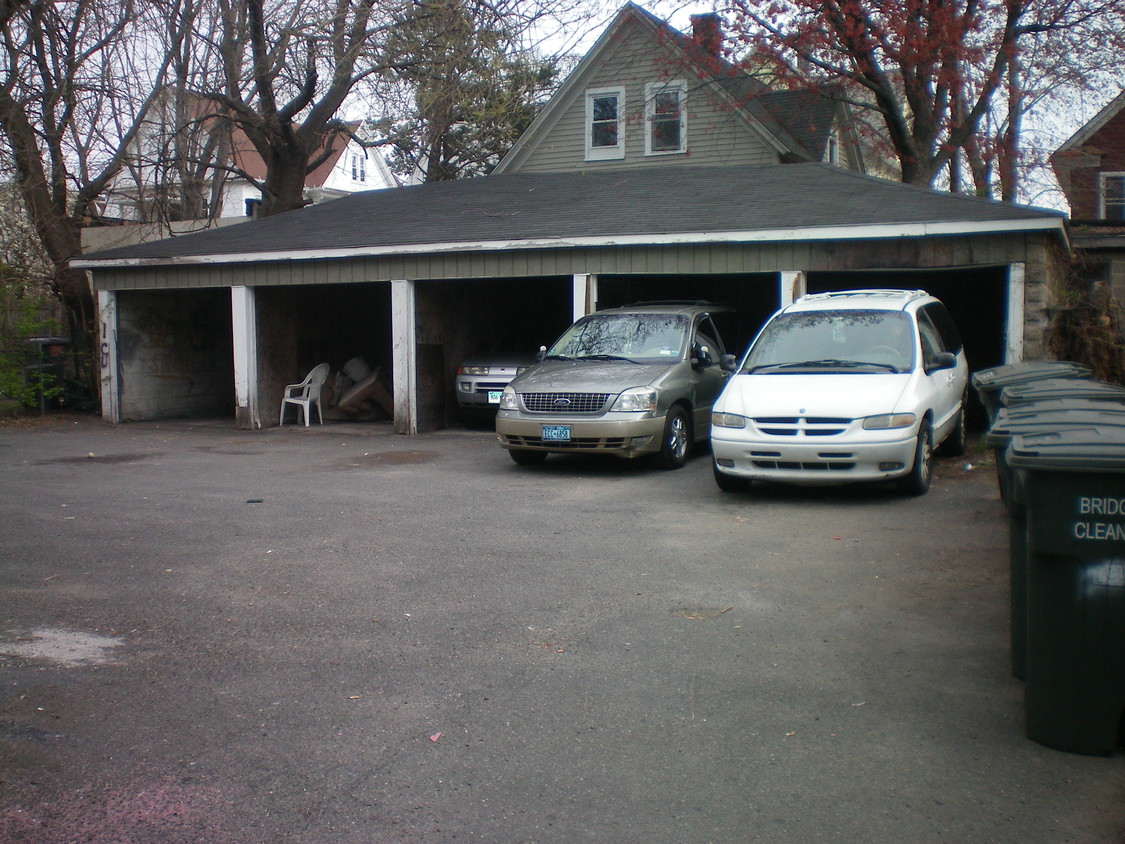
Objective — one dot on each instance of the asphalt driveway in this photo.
(342, 635)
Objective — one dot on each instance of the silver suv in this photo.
(627, 381)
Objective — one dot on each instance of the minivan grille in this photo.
(802, 426)
(564, 402)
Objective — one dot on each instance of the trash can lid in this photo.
(1011, 422)
(997, 377)
(1054, 388)
(1048, 404)
(1091, 449)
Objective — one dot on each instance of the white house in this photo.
(188, 165)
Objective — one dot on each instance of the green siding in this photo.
(716, 133)
(810, 256)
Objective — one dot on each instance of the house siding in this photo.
(716, 134)
(930, 252)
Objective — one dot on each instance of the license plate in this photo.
(556, 433)
(494, 396)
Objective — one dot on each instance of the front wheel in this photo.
(918, 481)
(526, 457)
(957, 441)
(676, 444)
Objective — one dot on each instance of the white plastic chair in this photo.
(306, 393)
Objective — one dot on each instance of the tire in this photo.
(958, 439)
(729, 483)
(675, 446)
(525, 457)
(918, 481)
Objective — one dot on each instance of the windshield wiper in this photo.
(558, 357)
(825, 363)
(607, 357)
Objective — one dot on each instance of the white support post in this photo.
(107, 355)
(404, 356)
(791, 287)
(1014, 330)
(585, 295)
(244, 328)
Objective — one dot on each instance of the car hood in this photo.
(584, 376)
(499, 359)
(849, 396)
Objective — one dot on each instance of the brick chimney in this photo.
(707, 32)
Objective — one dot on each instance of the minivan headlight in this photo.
(888, 420)
(508, 399)
(636, 398)
(728, 420)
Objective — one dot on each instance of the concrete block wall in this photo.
(175, 354)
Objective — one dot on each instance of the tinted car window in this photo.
(931, 339)
(708, 342)
(950, 338)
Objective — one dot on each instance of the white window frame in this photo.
(832, 153)
(359, 167)
(1102, 179)
(605, 153)
(651, 90)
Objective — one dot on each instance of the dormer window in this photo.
(605, 109)
(665, 118)
(1111, 196)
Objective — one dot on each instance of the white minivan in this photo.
(842, 387)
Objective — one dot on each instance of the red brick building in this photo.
(1090, 167)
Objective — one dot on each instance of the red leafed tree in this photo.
(944, 78)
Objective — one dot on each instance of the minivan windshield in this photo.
(641, 338)
(842, 340)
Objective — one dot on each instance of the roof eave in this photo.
(879, 231)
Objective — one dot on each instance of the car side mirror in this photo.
(542, 353)
(728, 363)
(942, 360)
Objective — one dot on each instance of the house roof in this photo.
(650, 206)
(247, 158)
(1094, 125)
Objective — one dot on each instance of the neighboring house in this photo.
(188, 165)
(653, 174)
(1090, 167)
(648, 95)
(347, 169)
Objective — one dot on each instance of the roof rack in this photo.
(872, 292)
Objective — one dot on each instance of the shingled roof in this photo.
(666, 205)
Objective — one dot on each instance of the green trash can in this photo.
(1055, 415)
(1060, 388)
(1072, 484)
(988, 383)
(1043, 417)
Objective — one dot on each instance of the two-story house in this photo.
(649, 95)
(188, 165)
(1090, 167)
